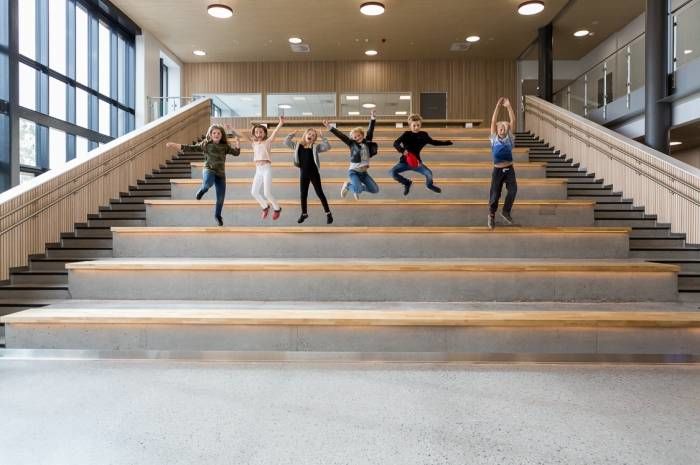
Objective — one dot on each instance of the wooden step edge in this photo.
(357, 318)
(383, 164)
(325, 265)
(441, 181)
(368, 230)
(370, 202)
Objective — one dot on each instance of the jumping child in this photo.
(307, 160)
(262, 182)
(361, 150)
(502, 142)
(215, 147)
(409, 146)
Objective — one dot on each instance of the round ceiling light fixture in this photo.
(369, 106)
(199, 53)
(372, 8)
(531, 8)
(472, 39)
(284, 106)
(220, 11)
(371, 53)
(582, 33)
(295, 40)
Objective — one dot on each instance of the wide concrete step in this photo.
(244, 169)
(557, 329)
(423, 280)
(396, 242)
(452, 188)
(540, 213)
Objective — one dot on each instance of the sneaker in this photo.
(200, 194)
(276, 214)
(302, 218)
(407, 187)
(434, 188)
(329, 218)
(344, 190)
(492, 221)
(507, 218)
(356, 195)
(219, 220)
(265, 212)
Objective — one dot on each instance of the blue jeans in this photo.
(210, 178)
(400, 167)
(362, 181)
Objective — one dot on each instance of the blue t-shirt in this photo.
(502, 149)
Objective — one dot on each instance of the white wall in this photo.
(148, 53)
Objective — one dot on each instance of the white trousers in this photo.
(262, 186)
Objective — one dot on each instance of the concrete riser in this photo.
(86, 253)
(38, 279)
(357, 214)
(287, 171)
(344, 245)
(474, 340)
(666, 254)
(241, 191)
(347, 284)
(34, 294)
(427, 157)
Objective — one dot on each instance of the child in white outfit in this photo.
(262, 182)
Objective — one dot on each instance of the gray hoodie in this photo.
(324, 146)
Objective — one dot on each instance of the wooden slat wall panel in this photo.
(472, 86)
(32, 218)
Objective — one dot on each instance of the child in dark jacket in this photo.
(409, 145)
(215, 147)
(361, 150)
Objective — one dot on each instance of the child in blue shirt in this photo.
(502, 142)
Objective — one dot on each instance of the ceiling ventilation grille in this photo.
(460, 47)
(300, 48)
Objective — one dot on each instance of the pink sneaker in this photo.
(265, 212)
(276, 213)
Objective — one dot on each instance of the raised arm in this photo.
(370, 129)
(279, 125)
(511, 115)
(338, 133)
(494, 118)
(289, 140)
(324, 145)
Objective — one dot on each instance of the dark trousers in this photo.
(499, 177)
(312, 177)
(210, 178)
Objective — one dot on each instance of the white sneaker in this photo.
(356, 195)
(344, 190)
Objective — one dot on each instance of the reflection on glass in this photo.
(121, 71)
(597, 87)
(4, 76)
(234, 105)
(637, 61)
(105, 119)
(395, 104)
(27, 86)
(81, 45)
(81, 146)
(307, 105)
(577, 97)
(688, 34)
(27, 142)
(27, 28)
(57, 35)
(57, 98)
(57, 148)
(81, 108)
(25, 177)
(104, 75)
(4, 23)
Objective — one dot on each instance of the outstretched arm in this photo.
(494, 118)
(511, 115)
(185, 147)
(279, 125)
(372, 121)
(289, 140)
(324, 145)
(432, 141)
(337, 133)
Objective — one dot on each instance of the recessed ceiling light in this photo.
(353, 113)
(687, 52)
(371, 53)
(284, 106)
(307, 113)
(675, 143)
(352, 97)
(405, 97)
(299, 98)
(401, 113)
(531, 8)
(369, 106)
(220, 11)
(199, 53)
(372, 8)
(473, 39)
(295, 40)
(582, 33)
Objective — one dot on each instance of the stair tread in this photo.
(369, 202)
(369, 229)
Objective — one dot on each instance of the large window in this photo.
(384, 103)
(311, 105)
(76, 81)
(5, 181)
(234, 105)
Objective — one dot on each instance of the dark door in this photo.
(433, 105)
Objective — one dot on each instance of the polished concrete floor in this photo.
(177, 412)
